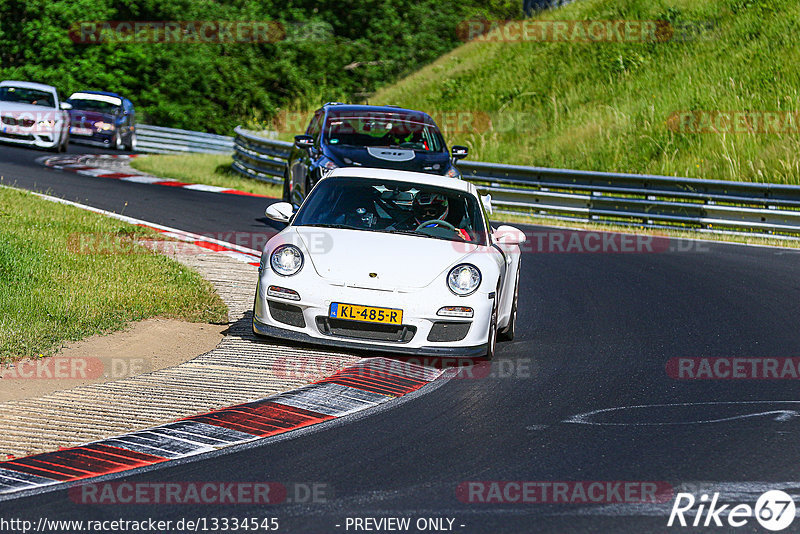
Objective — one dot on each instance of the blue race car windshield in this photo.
(93, 105)
(378, 129)
(394, 207)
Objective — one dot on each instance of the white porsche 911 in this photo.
(390, 261)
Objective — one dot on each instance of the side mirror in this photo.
(508, 235)
(280, 211)
(303, 141)
(66, 106)
(487, 203)
(458, 152)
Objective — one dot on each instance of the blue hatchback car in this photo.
(102, 119)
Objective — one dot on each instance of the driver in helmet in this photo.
(432, 208)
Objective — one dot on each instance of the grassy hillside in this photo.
(606, 106)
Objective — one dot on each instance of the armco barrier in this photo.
(645, 200)
(158, 140)
(259, 157)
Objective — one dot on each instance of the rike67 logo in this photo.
(774, 510)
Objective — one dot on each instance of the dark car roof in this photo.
(365, 107)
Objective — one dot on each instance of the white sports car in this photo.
(33, 114)
(393, 261)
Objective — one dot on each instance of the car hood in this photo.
(399, 262)
(389, 158)
(19, 107)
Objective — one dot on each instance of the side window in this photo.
(315, 127)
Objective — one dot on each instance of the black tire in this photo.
(131, 144)
(491, 346)
(507, 333)
(286, 193)
(61, 147)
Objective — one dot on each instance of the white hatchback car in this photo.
(390, 261)
(33, 114)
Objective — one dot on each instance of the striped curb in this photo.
(236, 372)
(243, 254)
(366, 384)
(97, 165)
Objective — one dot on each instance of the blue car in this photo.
(102, 119)
(384, 137)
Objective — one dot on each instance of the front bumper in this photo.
(29, 136)
(420, 333)
(95, 138)
(302, 337)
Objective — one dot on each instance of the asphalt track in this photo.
(595, 331)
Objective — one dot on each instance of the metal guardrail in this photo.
(259, 157)
(159, 140)
(642, 200)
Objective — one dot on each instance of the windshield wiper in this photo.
(421, 234)
(409, 232)
(332, 225)
(398, 231)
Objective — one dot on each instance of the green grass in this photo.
(605, 106)
(208, 169)
(53, 291)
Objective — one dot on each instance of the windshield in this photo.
(93, 105)
(375, 129)
(394, 207)
(27, 96)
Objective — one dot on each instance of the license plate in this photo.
(367, 314)
(80, 131)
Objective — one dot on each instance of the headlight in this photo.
(100, 125)
(286, 260)
(464, 279)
